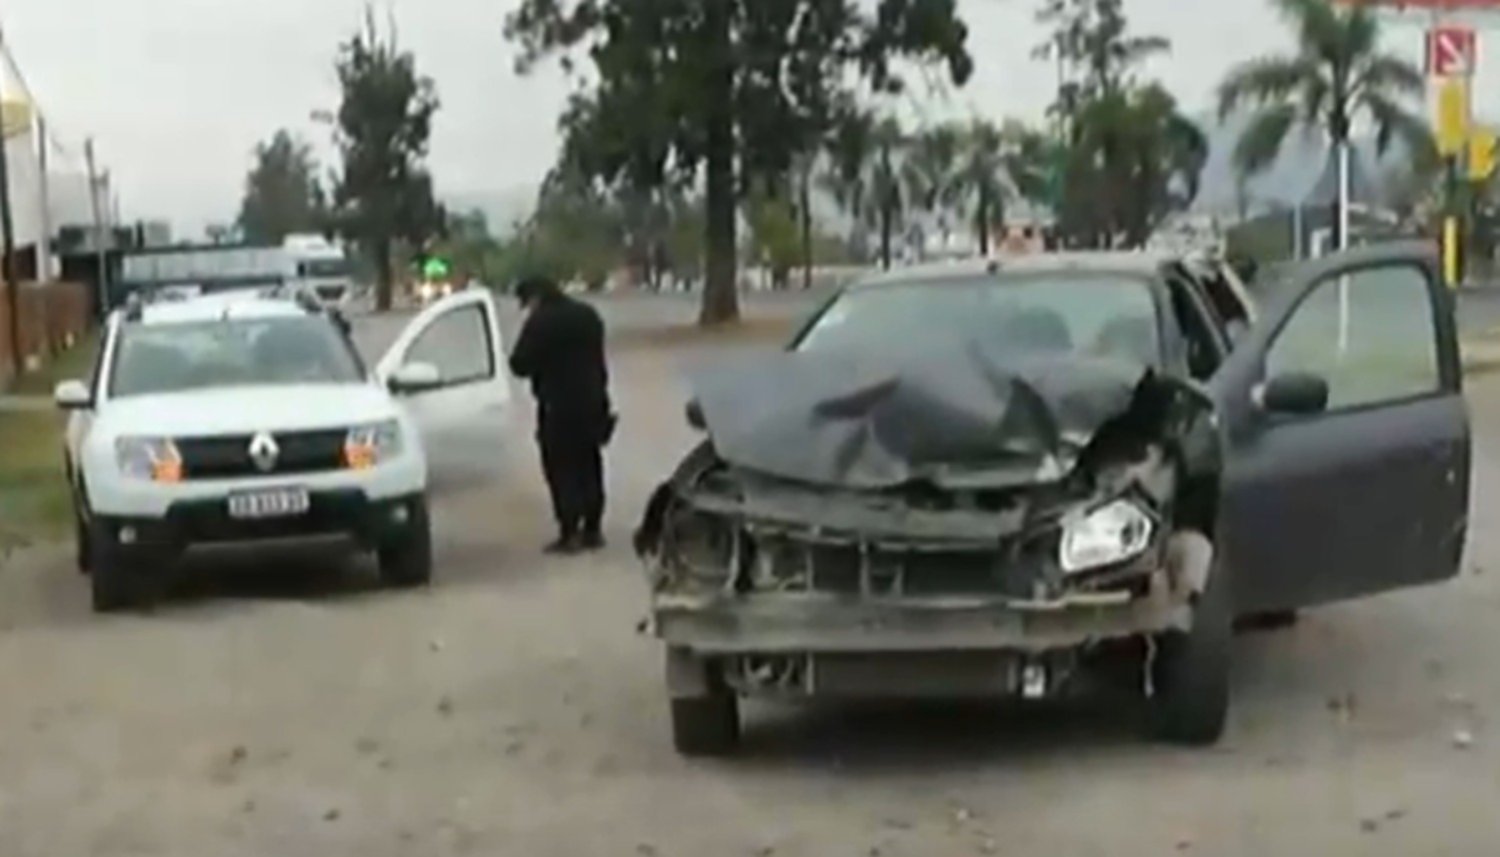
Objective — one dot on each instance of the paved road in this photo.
(286, 708)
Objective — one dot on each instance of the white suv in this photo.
(247, 417)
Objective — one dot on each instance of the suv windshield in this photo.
(1089, 314)
(170, 358)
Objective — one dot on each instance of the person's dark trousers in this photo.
(574, 465)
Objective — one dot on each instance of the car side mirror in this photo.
(695, 415)
(1296, 393)
(415, 378)
(73, 396)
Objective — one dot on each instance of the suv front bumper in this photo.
(332, 513)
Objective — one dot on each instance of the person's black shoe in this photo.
(564, 546)
(591, 541)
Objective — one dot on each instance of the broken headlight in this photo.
(1111, 534)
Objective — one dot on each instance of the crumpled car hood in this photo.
(970, 415)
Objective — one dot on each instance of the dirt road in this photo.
(286, 708)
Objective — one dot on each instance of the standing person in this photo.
(561, 350)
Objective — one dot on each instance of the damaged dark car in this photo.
(988, 479)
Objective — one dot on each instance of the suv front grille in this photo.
(228, 456)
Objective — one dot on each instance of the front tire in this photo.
(115, 580)
(1190, 673)
(706, 726)
(406, 562)
(82, 548)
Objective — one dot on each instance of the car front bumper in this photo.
(806, 644)
(340, 513)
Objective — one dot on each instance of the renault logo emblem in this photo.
(264, 452)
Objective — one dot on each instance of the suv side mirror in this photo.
(415, 378)
(1296, 393)
(73, 396)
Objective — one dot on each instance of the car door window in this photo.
(1371, 334)
(458, 344)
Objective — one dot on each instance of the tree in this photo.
(1336, 75)
(736, 87)
(1129, 156)
(384, 195)
(930, 172)
(282, 192)
(886, 202)
(995, 164)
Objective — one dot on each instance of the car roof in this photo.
(1142, 263)
(222, 306)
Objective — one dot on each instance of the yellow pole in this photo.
(1450, 251)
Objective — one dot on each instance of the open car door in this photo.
(1347, 467)
(448, 369)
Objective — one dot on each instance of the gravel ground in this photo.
(285, 707)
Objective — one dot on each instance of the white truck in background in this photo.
(317, 265)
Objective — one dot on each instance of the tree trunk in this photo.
(982, 222)
(720, 296)
(385, 277)
(885, 234)
(805, 191)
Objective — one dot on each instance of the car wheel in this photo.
(706, 725)
(115, 582)
(82, 549)
(1190, 672)
(407, 561)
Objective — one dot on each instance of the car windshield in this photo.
(1088, 314)
(323, 268)
(170, 358)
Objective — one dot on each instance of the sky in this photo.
(176, 93)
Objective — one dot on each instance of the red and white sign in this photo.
(1451, 51)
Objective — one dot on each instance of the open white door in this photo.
(463, 404)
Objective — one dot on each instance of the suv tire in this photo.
(1190, 673)
(115, 581)
(406, 562)
(83, 549)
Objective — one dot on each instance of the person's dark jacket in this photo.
(561, 351)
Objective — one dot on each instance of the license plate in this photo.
(273, 503)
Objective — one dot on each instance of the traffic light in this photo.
(1482, 154)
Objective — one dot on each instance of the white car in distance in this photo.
(246, 418)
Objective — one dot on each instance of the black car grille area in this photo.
(849, 570)
(228, 456)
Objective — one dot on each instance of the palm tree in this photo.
(864, 174)
(1337, 75)
(886, 200)
(849, 151)
(930, 171)
(997, 163)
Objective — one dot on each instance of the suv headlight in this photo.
(371, 445)
(153, 458)
(1113, 533)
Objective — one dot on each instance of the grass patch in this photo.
(76, 362)
(34, 502)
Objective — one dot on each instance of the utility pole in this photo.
(100, 258)
(44, 244)
(8, 247)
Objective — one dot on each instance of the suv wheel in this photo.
(116, 582)
(407, 561)
(1190, 674)
(83, 550)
